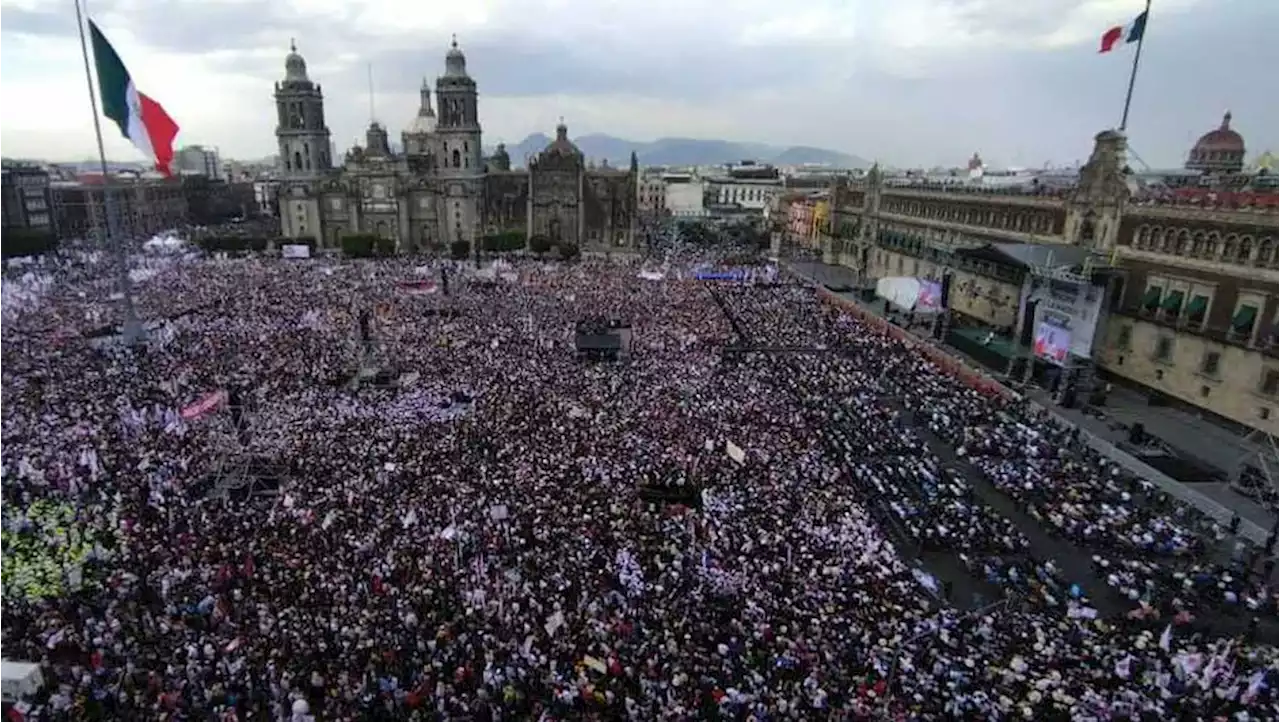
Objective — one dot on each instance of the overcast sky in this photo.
(908, 82)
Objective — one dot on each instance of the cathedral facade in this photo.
(441, 188)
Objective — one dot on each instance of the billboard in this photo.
(929, 299)
(911, 294)
(1052, 343)
(1071, 309)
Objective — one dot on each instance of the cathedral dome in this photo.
(562, 146)
(295, 68)
(1219, 150)
(424, 122)
(422, 125)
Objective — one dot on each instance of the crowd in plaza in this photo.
(469, 542)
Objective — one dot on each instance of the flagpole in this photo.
(132, 329)
(1133, 73)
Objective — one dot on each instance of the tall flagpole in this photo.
(1133, 74)
(132, 330)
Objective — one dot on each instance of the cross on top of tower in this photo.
(293, 45)
(455, 40)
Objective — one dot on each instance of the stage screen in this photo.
(930, 297)
(1052, 343)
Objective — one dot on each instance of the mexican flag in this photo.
(142, 120)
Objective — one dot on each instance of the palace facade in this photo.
(1187, 266)
(441, 188)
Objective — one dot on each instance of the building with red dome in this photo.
(1218, 151)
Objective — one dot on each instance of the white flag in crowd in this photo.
(630, 575)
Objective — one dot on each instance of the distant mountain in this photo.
(686, 152)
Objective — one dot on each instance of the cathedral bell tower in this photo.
(458, 140)
(301, 135)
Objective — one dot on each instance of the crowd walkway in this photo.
(1044, 546)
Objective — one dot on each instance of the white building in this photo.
(685, 195)
(744, 187)
(198, 160)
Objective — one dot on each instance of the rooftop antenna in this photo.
(372, 118)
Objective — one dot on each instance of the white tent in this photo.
(902, 292)
(19, 679)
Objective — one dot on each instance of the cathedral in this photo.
(442, 188)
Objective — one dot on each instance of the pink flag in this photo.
(205, 405)
(418, 288)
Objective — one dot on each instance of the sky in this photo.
(906, 82)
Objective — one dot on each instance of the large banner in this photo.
(295, 250)
(1071, 309)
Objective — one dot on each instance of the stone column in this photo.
(528, 206)
(582, 216)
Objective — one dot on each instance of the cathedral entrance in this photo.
(553, 230)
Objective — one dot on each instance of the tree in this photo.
(27, 242)
(459, 250)
(384, 247)
(540, 244)
(503, 242)
(234, 244)
(359, 245)
(568, 251)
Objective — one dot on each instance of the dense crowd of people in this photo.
(468, 541)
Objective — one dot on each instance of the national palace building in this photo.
(1182, 271)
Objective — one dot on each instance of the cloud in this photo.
(909, 81)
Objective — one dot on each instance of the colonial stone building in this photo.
(1190, 308)
(441, 188)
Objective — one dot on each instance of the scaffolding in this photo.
(1254, 472)
(237, 473)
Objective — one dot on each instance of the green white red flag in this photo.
(142, 120)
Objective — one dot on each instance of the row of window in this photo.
(735, 194)
(1210, 364)
(1189, 304)
(1209, 245)
(1022, 221)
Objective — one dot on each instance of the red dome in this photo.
(1218, 151)
(1222, 139)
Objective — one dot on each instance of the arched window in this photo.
(1212, 245)
(1184, 242)
(1266, 253)
(1197, 244)
(1246, 250)
(1229, 245)
(297, 160)
(1169, 243)
(457, 158)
